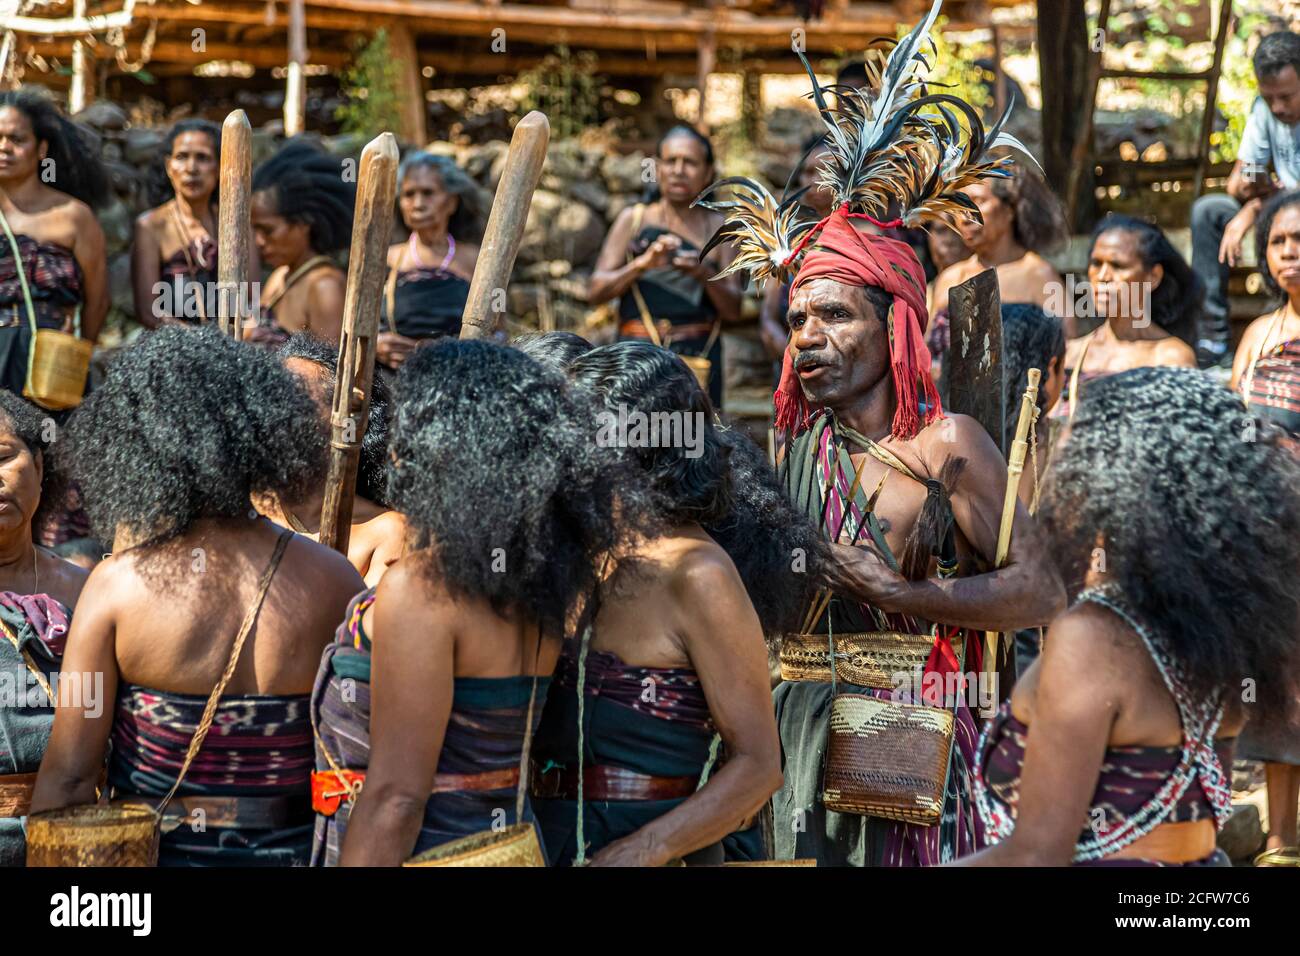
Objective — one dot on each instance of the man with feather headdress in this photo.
(870, 455)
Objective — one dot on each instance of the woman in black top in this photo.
(651, 259)
(428, 278)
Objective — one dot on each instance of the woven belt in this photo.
(608, 784)
(244, 813)
(635, 329)
(868, 659)
(328, 792)
(1171, 843)
(16, 794)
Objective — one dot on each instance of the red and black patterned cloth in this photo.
(1275, 386)
(54, 280)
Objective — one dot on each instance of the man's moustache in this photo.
(804, 359)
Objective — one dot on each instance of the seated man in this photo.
(1221, 221)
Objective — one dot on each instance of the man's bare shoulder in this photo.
(955, 435)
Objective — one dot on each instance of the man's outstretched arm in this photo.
(1025, 592)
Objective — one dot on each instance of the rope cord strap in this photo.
(210, 710)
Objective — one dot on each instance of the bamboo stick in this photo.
(1015, 468)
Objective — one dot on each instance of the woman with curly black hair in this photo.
(1149, 297)
(38, 591)
(1022, 220)
(377, 535)
(676, 664)
(1177, 524)
(429, 690)
(429, 274)
(301, 212)
(53, 274)
(167, 453)
(553, 350)
(173, 253)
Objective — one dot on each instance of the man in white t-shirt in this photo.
(1268, 160)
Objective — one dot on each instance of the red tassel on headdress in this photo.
(853, 258)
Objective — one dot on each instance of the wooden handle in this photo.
(505, 226)
(372, 227)
(234, 229)
(1015, 466)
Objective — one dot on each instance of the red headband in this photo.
(857, 259)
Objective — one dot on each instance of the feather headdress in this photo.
(893, 146)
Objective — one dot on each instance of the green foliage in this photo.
(370, 87)
(564, 87)
(1236, 91)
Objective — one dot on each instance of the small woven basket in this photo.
(514, 846)
(701, 366)
(113, 835)
(869, 659)
(887, 759)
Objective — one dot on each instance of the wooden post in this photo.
(372, 227)
(82, 90)
(233, 268)
(972, 366)
(410, 86)
(505, 226)
(7, 48)
(751, 104)
(707, 58)
(1081, 153)
(999, 77)
(295, 94)
(1211, 94)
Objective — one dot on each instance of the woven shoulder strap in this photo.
(209, 711)
(390, 290)
(294, 276)
(522, 790)
(1074, 374)
(21, 271)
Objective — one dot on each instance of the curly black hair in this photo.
(494, 466)
(159, 186)
(635, 376)
(1031, 338)
(308, 186)
(26, 421)
(77, 168)
(728, 487)
(1194, 502)
(1283, 200)
(188, 425)
(1176, 302)
(372, 470)
(554, 350)
(1037, 215)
